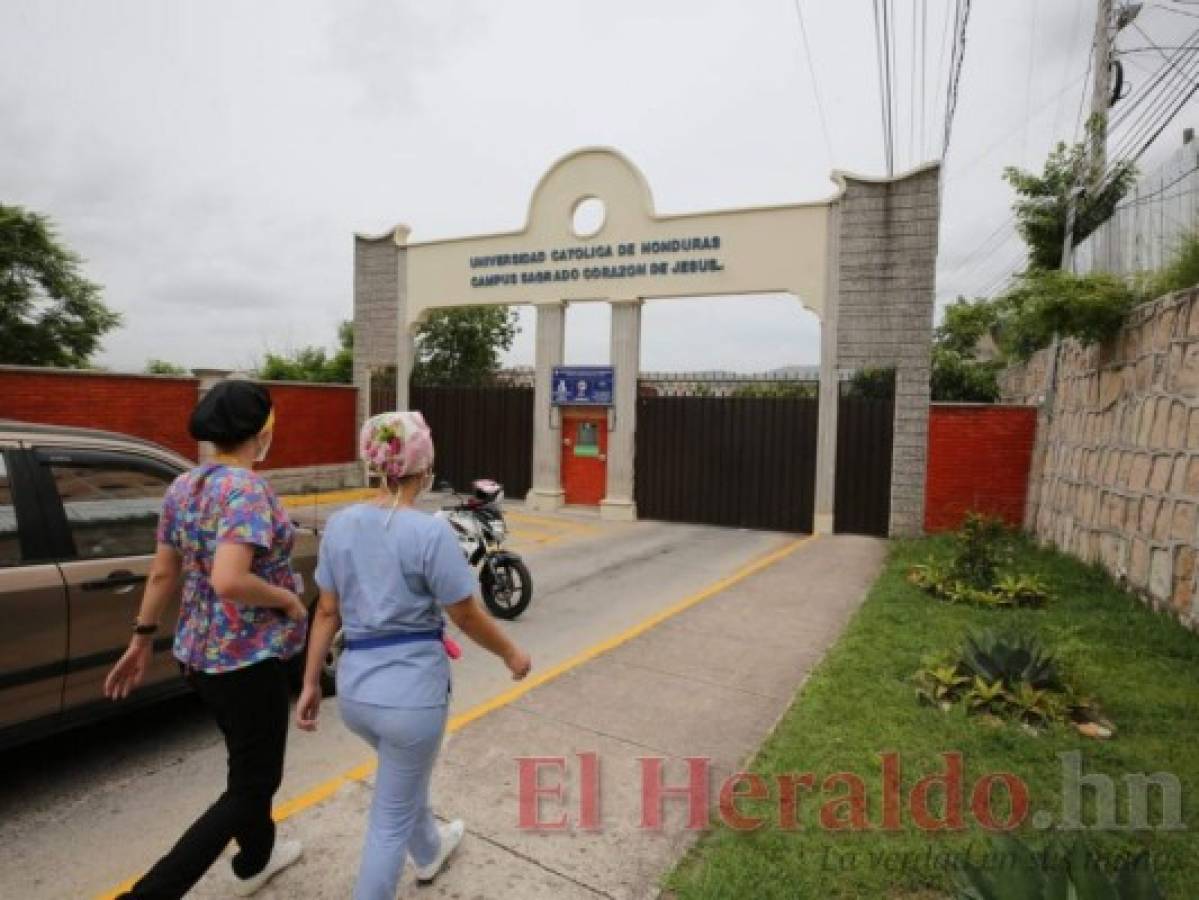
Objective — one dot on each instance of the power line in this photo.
(941, 61)
(1177, 109)
(889, 57)
(1032, 61)
(1179, 12)
(1082, 100)
(1147, 197)
(923, 69)
(1158, 111)
(1141, 116)
(1157, 78)
(960, 54)
(1057, 112)
(882, 93)
(1008, 129)
(803, 31)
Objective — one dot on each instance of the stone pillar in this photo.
(546, 493)
(380, 289)
(405, 343)
(830, 389)
(618, 504)
(885, 270)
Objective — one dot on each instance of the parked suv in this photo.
(78, 515)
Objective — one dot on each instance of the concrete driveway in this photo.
(82, 812)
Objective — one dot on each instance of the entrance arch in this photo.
(862, 260)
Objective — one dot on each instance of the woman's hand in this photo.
(130, 669)
(295, 608)
(308, 707)
(518, 663)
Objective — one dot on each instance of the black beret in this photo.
(232, 412)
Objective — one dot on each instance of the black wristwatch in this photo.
(145, 630)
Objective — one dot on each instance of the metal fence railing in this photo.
(1150, 223)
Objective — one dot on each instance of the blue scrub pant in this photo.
(407, 741)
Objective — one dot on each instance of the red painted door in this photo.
(584, 457)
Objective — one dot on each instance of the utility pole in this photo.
(1101, 87)
(1107, 24)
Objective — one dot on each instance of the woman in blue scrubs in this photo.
(387, 573)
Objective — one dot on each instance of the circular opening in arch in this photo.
(588, 217)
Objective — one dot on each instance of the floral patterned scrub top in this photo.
(205, 507)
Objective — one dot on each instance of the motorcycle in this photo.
(478, 523)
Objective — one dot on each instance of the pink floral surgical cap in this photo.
(396, 444)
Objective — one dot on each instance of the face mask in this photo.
(264, 447)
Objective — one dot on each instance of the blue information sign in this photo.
(582, 386)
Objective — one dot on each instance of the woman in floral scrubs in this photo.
(224, 533)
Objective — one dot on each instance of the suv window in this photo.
(111, 505)
(10, 544)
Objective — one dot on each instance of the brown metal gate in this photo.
(862, 498)
(484, 432)
(746, 462)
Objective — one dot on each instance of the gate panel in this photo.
(745, 462)
(482, 432)
(862, 501)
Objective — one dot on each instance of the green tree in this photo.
(314, 364)
(162, 367)
(463, 346)
(959, 378)
(873, 383)
(1042, 304)
(958, 375)
(1042, 201)
(50, 315)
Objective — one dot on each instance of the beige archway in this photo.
(862, 260)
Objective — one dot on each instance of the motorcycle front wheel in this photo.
(509, 591)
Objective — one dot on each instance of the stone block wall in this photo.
(887, 241)
(377, 268)
(1115, 475)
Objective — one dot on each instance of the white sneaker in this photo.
(282, 856)
(451, 836)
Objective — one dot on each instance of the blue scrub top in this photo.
(391, 578)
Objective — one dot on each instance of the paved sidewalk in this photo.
(710, 681)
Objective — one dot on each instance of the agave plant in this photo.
(1024, 876)
(1012, 659)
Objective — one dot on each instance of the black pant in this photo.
(251, 707)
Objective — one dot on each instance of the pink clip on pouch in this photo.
(452, 650)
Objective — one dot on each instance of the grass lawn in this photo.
(860, 703)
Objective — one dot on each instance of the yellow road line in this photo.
(326, 790)
(323, 498)
(550, 523)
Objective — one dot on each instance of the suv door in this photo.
(33, 602)
(105, 512)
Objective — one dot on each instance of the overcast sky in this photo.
(212, 160)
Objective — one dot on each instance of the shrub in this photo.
(1045, 303)
(1010, 675)
(1180, 273)
(1073, 871)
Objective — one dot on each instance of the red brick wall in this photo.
(151, 407)
(315, 423)
(978, 461)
